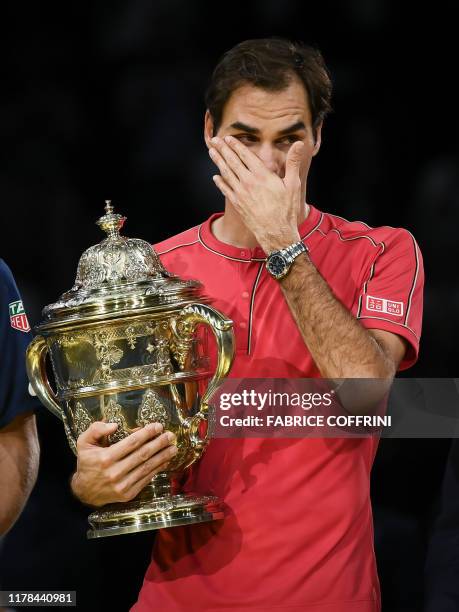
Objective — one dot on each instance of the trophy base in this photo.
(146, 514)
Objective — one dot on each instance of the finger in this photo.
(134, 441)
(226, 172)
(96, 433)
(250, 160)
(149, 468)
(293, 163)
(231, 157)
(225, 189)
(141, 455)
(138, 486)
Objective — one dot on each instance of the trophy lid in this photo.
(117, 277)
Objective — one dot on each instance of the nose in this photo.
(270, 156)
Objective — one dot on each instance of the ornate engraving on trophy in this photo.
(81, 419)
(107, 354)
(182, 340)
(158, 350)
(163, 362)
(151, 410)
(115, 260)
(131, 336)
(73, 385)
(113, 413)
(112, 256)
(65, 339)
(69, 433)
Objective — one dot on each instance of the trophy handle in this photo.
(36, 371)
(222, 328)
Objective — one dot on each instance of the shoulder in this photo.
(185, 239)
(5, 273)
(382, 239)
(7, 283)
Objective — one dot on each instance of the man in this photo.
(343, 301)
(19, 450)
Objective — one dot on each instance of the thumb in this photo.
(96, 433)
(293, 162)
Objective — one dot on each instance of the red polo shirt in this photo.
(298, 533)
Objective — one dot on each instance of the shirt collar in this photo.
(245, 254)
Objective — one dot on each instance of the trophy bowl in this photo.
(128, 344)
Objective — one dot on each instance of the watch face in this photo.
(276, 265)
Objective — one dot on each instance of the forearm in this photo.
(19, 457)
(339, 345)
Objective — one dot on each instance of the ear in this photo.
(318, 141)
(208, 128)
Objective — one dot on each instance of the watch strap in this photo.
(288, 254)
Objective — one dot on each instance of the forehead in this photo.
(265, 110)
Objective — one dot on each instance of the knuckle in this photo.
(145, 453)
(133, 440)
(147, 467)
(123, 494)
(166, 440)
(119, 489)
(96, 428)
(162, 457)
(113, 477)
(93, 427)
(105, 461)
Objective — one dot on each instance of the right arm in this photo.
(19, 456)
(19, 448)
(117, 473)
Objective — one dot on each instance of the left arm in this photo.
(340, 346)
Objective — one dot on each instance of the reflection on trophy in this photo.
(124, 348)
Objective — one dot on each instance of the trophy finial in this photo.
(111, 222)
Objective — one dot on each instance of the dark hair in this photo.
(270, 63)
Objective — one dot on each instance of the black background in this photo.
(105, 100)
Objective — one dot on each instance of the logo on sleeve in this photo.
(381, 305)
(18, 317)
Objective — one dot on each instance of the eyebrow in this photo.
(299, 125)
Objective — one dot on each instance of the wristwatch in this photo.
(279, 263)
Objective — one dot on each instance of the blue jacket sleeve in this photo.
(15, 335)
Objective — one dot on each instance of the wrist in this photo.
(279, 263)
(302, 262)
(75, 487)
(278, 241)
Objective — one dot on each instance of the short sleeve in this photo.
(15, 336)
(391, 297)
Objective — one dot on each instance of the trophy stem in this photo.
(157, 506)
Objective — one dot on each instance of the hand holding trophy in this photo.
(124, 350)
